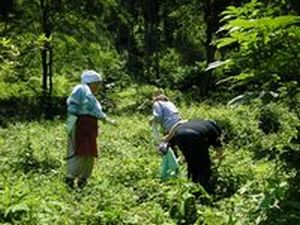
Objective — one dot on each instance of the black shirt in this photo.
(206, 130)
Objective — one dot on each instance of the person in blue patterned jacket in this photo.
(84, 110)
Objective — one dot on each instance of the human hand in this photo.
(110, 121)
(162, 147)
(113, 122)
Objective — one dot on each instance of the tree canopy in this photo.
(208, 46)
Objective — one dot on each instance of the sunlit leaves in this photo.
(262, 48)
(125, 187)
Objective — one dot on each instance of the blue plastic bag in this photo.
(169, 165)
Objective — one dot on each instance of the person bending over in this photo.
(193, 138)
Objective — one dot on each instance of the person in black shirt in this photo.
(194, 138)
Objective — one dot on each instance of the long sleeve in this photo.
(74, 101)
(157, 111)
(93, 107)
(83, 102)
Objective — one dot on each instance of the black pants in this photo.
(195, 150)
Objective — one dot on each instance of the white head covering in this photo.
(90, 76)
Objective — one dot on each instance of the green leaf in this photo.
(225, 42)
(217, 64)
(20, 207)
(281, 21)
(244, 76)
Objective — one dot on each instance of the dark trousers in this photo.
(195, 150)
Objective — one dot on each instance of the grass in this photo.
(125, 188)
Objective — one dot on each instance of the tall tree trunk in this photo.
(46, 54)
(6, 7)
(151, 19)
(211, 21)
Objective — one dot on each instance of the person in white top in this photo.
(193, 138)
(164, 113)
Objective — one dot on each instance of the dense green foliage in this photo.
(257, 178)
(234, 61)
(166, 43)
(261, 49)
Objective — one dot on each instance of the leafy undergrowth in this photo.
(256, 183)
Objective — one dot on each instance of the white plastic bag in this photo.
(70, 123)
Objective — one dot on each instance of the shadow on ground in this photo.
(30, 109)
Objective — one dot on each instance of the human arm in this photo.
(93, 107)
(157, 112)
(219, 149)
(154, 122)
(109, 121)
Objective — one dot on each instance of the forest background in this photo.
(234, 61)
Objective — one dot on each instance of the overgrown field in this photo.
(256, 183)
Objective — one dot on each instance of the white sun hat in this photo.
(90, 76)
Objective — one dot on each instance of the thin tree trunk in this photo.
(50, 70)
(6, 7)
(210, 20)
(150, 12)
(46, 54)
